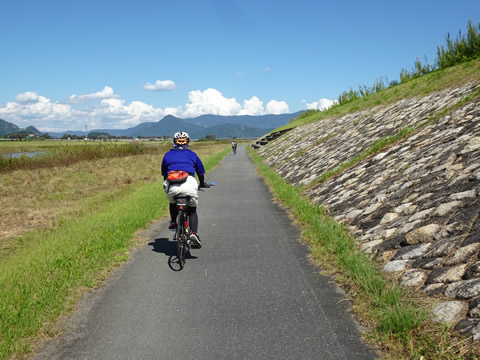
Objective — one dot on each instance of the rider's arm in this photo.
(164, 167)
(201, 178)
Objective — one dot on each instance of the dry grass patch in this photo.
(38, 199)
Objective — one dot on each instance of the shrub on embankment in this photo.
(464, 48)
(422, 79)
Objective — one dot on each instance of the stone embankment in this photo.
(415, 204)
(269, 137)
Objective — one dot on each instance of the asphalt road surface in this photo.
(249, 293)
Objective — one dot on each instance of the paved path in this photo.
(250, 293)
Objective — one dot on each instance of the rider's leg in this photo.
(193, 220)
(192, 211)
(173, 212)
(188, 188)
(173, 216)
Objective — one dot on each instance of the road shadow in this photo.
(164, 246)
(169, 248)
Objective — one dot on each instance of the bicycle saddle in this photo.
(182, 200)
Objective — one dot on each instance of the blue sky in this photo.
(115, 64)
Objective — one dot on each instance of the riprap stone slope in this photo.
(415, 205)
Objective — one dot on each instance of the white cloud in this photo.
(321, 104)
(173, 111)
(27, 97)
(112, 112)
(252, 106)
(267, 69)
(277, 107)
(106, 93)
(37, 111)
(160, 85)
(210, 101)
(40, 108)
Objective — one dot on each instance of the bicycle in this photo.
(182, 234)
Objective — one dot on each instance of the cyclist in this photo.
(234, 146)
(180, 157)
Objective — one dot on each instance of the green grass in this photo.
(464, 48)
(377, 146)
(438, 80)
(36, 282)
(44, 280)
(213, 160)
(397, 323)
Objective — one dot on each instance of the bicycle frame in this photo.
(182, 234)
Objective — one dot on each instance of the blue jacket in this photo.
(182, 159)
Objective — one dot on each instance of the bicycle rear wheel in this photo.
(182, 245)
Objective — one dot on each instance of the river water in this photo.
(20, 154)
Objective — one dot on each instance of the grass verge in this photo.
(44, 280)
(397, 322)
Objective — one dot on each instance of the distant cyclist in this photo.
(234, 146)
(178, 159)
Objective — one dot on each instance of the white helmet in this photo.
(181, 138)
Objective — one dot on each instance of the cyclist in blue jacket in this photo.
(180, 157)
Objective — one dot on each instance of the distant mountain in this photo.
(168, 126)
(30, 130)
(7, 128)
(262, 121)
(233, 130)
(126, 132)
(243, 126)
(165, 127)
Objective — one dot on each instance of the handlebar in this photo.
(207, 185)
